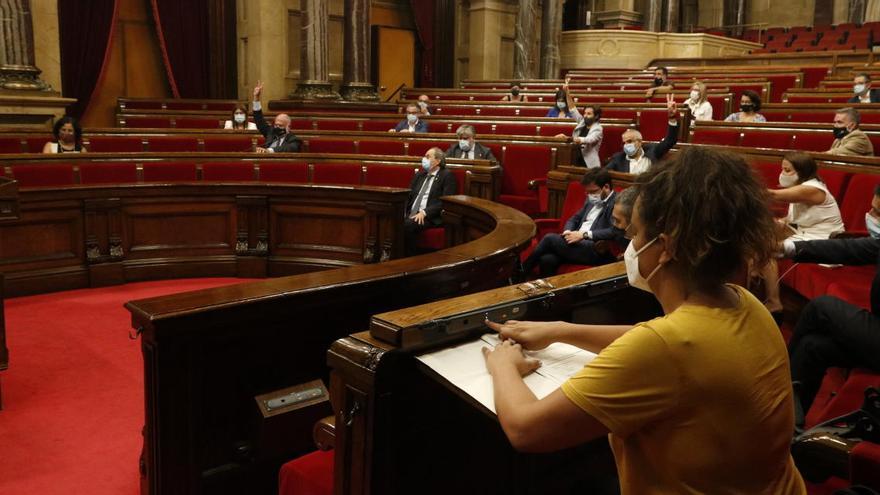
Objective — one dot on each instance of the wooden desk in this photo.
(208, 353)
(401, 429)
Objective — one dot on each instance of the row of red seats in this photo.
(288, 171)
(817, 140)
(232, 143)
(847, 36)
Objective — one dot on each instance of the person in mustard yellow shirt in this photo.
(698, 401)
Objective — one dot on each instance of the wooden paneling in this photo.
(393, 58)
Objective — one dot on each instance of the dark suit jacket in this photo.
(480, 152)
(290, 143)
(443, 185)
(654, 152)
(421, 126)
(875, 96)
(860, 251)
(602, 228)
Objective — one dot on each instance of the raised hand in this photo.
(671, 106)
(258, 90)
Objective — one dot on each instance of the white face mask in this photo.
(412, 118)
(239, 118)
(788, 180)
(873, 226)
(695, 96)
(633, 274)
(858, 89)
(464, 144)
(426, 163)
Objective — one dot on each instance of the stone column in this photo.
(652, 15)
(315, 61)
(523, 57)
(735, 14)
(17, 69)
(673, 10)
(356, 84)
(551, 36)
(856, 11)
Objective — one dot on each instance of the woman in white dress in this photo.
(812, 213)
(239, 120)
(698, 102)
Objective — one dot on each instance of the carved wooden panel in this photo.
(43, 238)
(308, 230)
(174, 229)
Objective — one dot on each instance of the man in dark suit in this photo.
(424, 205)
(412, 123)
(862, 92)
(577, 242)
(832, 332)
(637, 157)
(467, 147)
(279, 139)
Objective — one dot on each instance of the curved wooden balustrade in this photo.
(208, 353)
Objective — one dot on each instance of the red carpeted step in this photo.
(73, 398)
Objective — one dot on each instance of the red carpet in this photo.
(73, 395)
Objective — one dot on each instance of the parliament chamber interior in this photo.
(314, 247)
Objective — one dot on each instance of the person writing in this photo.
(685, 395)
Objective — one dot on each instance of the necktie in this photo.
(422, 192)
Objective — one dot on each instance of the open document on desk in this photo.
(465, 367)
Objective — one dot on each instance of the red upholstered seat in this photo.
(337, 124)
(419, 148)
(480, 127)
(164, 144)
(337, 173)
(108, 173)
(847, 398)
(766, 139)
(311, 474)
(575, 196)
(301, 124)
(864, 465)
(229, 144)
(723, 137)
(812, 141)
(523, 163)
(653, 124)
(35, 144)
(148, 122)
(384, 147)
(433, 239)
(320, 145)
(520, 129)
(43, 174)
(857, 200)
(836, 181)
(115, 144)
(284, 171)
(199, 123)
(379, 125)
(462, 178)
(228, 171)
(12, 145)
(169, 172)
(389, 176)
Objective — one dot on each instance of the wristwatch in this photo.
(585, 234)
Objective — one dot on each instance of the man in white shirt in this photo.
(412, 123)
(424, 206)
(577, 242)
(862, 92)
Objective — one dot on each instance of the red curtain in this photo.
(86, 34)
(423, 12)
(182, 28)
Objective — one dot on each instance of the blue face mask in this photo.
(873, 226)
(464, 144)
(412, 118)
(630, 149)
(426, 163)
(560, 105)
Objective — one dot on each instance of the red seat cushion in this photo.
(163, 144)
(11, 145)
(311, 474)
(337, 173)
(169, 172)
(108, 173)
(35, 144)
(147, 122)
(766, 139)
(433, 238)
(419, 148)
(522, 129)
(523, 163)
(389, 176)
(318, 145)
(378, 125)
(722, 137)
(342, 124)
(376, 147)
(836, 181)
(864, 463)
(284, 171)
(199, 123)
(229, 144)
(462, 178)
(812, 141)
(228, 171)
(115, 144)
(43, 175)
(857, 200)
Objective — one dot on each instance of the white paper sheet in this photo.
(465, 367)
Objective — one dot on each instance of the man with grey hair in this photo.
(848, 138)
(278, 137)
(423, 207)
(467, 148)
(637, 157)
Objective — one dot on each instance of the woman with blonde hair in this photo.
(698, 102)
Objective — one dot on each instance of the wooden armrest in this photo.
(324, 433)
(536, 183)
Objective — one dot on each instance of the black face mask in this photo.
(747, 107)
(514, 92)
(279, 131)
(658, 81)
(839, 132)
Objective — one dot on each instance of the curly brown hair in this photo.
(714, 210)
